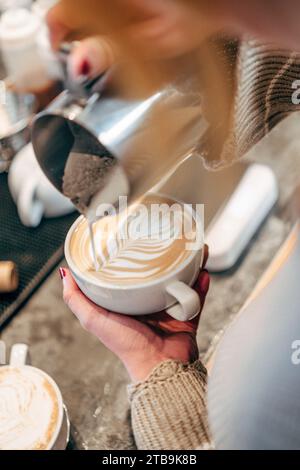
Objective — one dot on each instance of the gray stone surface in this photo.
(92, 380)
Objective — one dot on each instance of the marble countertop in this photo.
(92, 380)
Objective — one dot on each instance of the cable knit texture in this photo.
(168, 410)
(265, 76)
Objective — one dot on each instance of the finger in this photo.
(90, 316)
(92, 57)
(205, 256)
(202, 288)
(58, 30)
(93, 318)
(202, 285)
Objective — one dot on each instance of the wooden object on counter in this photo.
(9, 277)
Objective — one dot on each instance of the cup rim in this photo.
(58, 396)
(118, 287)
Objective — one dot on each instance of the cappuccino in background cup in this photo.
(32, 414)
(148, 256)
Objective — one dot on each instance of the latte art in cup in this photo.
(29, 409)
(150, 241)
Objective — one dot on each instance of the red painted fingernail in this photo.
(85, 68)
(62, 273)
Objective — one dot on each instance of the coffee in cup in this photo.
(146, 243)
(148, 257)
(31, 409)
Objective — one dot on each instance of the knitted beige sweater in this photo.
(168, 409)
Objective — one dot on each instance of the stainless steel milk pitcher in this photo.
(145, 137)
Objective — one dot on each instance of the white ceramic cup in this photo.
(19, 359)
(33, 194)
(171, 292)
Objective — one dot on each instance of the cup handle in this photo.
(19, 355)
(189, 304)
(29, 208)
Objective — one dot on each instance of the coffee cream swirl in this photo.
(29, 409)
(140, 247)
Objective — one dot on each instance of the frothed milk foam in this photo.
(29, 409)
(141, 247)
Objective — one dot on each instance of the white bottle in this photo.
(22, 56)
(40, 8)
(8, 4)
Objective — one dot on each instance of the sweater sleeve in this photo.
(261, 83)
(168, 409)
(263, 97)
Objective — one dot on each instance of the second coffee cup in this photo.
(33, 415)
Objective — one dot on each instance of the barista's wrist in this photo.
(139, 370)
